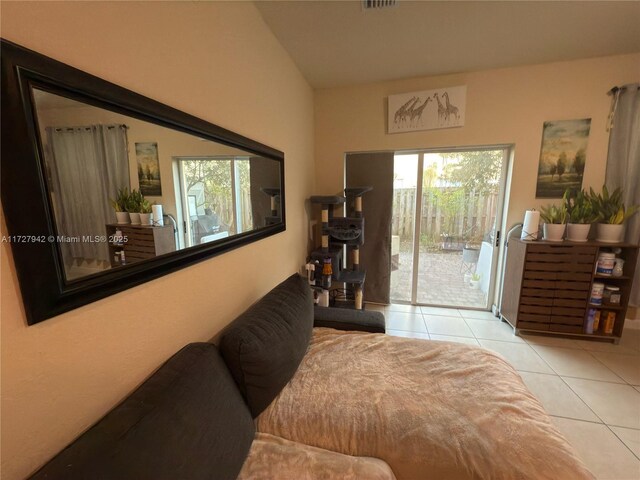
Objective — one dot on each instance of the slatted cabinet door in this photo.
(547, 285)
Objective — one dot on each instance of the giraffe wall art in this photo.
(426, 110)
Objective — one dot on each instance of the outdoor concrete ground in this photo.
(440, 281)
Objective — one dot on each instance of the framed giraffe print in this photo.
(426, 110)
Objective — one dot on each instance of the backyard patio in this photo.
(441, 280)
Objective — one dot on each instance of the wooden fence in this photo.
(446, 214)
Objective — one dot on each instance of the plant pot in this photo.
(610, 233)
(122, 217)
(553, 232)
(135, 218)
(578, 232)
(475, 284)
(146, 219)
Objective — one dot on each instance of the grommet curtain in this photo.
(623, 162)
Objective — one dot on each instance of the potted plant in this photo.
(120, 205)
(475, 281)
(554, 219)
(145, 212)
(580, 214)
(133, 206)
(611, 214)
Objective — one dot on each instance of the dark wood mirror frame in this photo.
(25, 196)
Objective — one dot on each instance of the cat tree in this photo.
(339, 233)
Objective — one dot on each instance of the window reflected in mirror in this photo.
(123, 190)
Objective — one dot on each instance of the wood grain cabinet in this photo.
(547, 286)
(142, 242)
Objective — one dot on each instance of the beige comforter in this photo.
(431, 410)
(274, 458)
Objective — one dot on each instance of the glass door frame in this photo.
(500, 216)
(182, 198)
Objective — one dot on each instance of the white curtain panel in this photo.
(87, 165)
(623, 163)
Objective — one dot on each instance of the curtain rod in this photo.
(69, 129)
(617, 89)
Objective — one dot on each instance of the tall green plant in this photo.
(145, 206)
(121, 201)
(609, 207)
(553, 214)
(135, 201)
(579, 207)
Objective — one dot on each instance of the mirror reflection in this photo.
(123, 190)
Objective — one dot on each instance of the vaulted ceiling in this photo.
(339, 43)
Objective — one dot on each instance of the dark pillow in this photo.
(264, 346)
(187, 421)
(349, 319)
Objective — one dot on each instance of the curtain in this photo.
(87, 166)
(376, 170)
(623, 162)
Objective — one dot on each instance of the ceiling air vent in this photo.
(377, 4)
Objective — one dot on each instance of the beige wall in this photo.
(215, 60)
(505, 106)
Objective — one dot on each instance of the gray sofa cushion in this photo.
(264, 346)
(349, 319)
(187, 421)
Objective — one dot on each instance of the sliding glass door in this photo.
(446, 212)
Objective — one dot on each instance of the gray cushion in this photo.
(187, 421)
(349, 319)
(264, 346)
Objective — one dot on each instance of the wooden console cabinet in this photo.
(142, 242)
(547, 286)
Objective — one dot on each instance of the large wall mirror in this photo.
(103, 189)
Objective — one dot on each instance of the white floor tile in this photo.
(520, 355)
(593, 346)
(575, 363)
(603, 453)
(614, 403)
(632, 324)
(631, 338)
(402, 333)
(549, 340)
(493, 330)
(630, 437)
(405, 321)
(447, 312)
(478, 315)
(556, 397)
(440, 325)
(397, 307)
(449, 338)
(625, 366)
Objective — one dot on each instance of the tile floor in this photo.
(591, 389)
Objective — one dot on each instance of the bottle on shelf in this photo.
(609, 321)
(597, 290)
(327, 271)
(593, 321)
(611, 295)
(606, 261)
